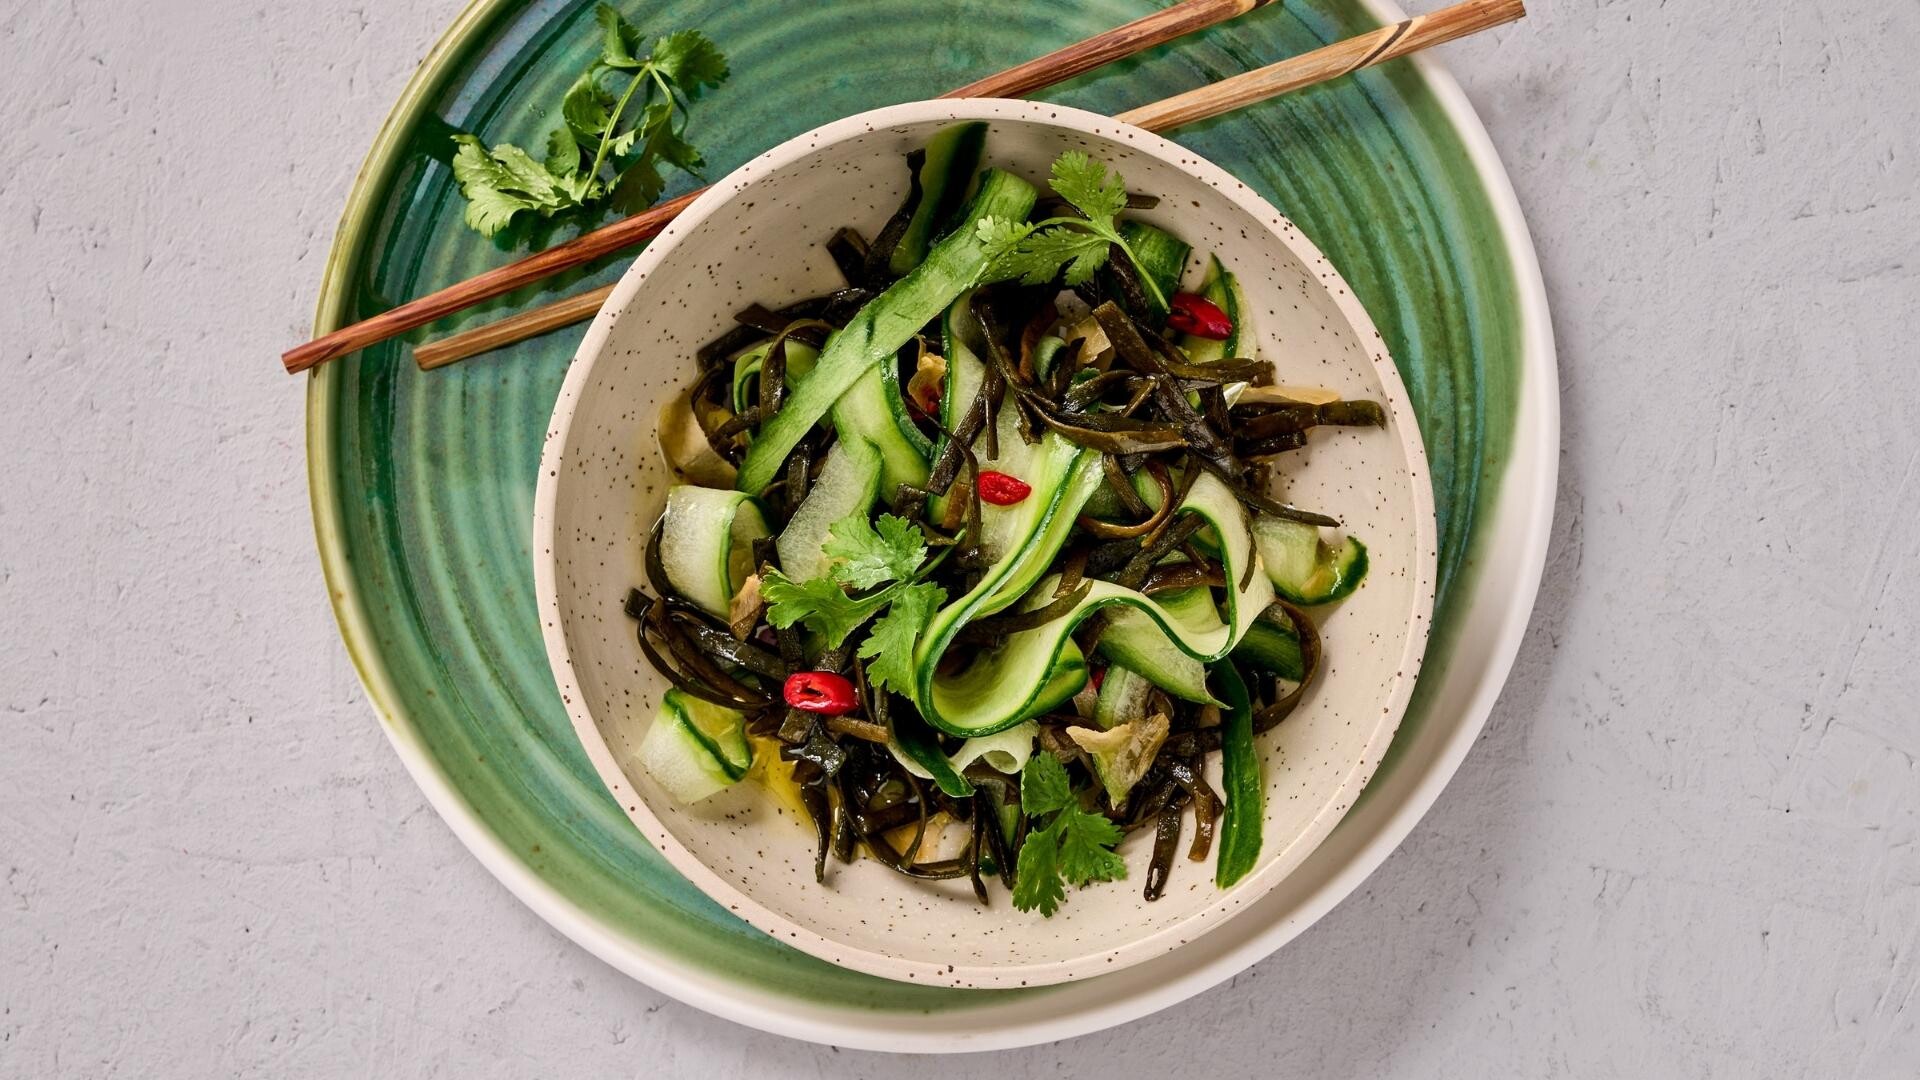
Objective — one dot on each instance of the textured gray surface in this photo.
(1686, 845)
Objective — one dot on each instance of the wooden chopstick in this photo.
(1325, 63)
(576, 308)
(1101, 49)
(1142, 33)
(1309, 68)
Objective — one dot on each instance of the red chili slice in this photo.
(1199, 316)
(1002, 490)
(819, 692)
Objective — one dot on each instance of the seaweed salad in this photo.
(974, 559)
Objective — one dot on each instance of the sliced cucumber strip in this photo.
(1104, 504)
(746, 377)
(1045, 352)
(877, 332)
(919, 753)
(848, 484)
(746, 370)
(1240, 781)
(1304, 568)
(917, 750)
(1038, 669)
(1123, 697)
(946, 180)
(1135, 640)
(1007, 752)
(1041, 518)
(1269, 646)
(1061, 475)
(706, 543)
(1005, 531)
(966, 373)
(695, 748)
(873, 410)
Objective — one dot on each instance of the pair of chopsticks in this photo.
(1307, 69)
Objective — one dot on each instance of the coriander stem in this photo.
(1146, 279)
(613, 122)
(661, 81)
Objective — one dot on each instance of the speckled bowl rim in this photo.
(1126, 952)
(1521, 520)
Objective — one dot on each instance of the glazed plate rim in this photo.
(1522, 517)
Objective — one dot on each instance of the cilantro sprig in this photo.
(890, 646)
(820, 604)
(601, 149)
(864, 557)
(1035, 252)
(1074, 848)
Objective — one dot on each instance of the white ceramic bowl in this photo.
(758, 235)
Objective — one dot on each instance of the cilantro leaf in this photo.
(619, 38)
(563, 161)
(489, 210)
(1086, 260)
(999, 236)
(1045, 252)
(1086, 184)
(522, 173)
(892, 641)
(500, 183)
(506, 181)
(1000, 241)
(1043, 786)
(563, 153)
(675, 150)
(1037, 873)
(1075, 848)
(640, 183)
(587, 109)
(653, 118)
(1086, 846)
(690, 61)
(820, 603)
(1078, 245)
(869, 556)
(638, 187)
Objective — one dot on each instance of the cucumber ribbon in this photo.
(706, 543)
(1036, 670)
(876, 333)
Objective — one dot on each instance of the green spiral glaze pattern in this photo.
(423, 483)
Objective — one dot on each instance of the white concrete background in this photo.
(1686, 845)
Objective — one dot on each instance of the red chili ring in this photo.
(1002, 490)
(820, 692)
(1194, 314)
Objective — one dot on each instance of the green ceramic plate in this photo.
(422, 484)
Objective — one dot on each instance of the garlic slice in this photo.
(1122, 753)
